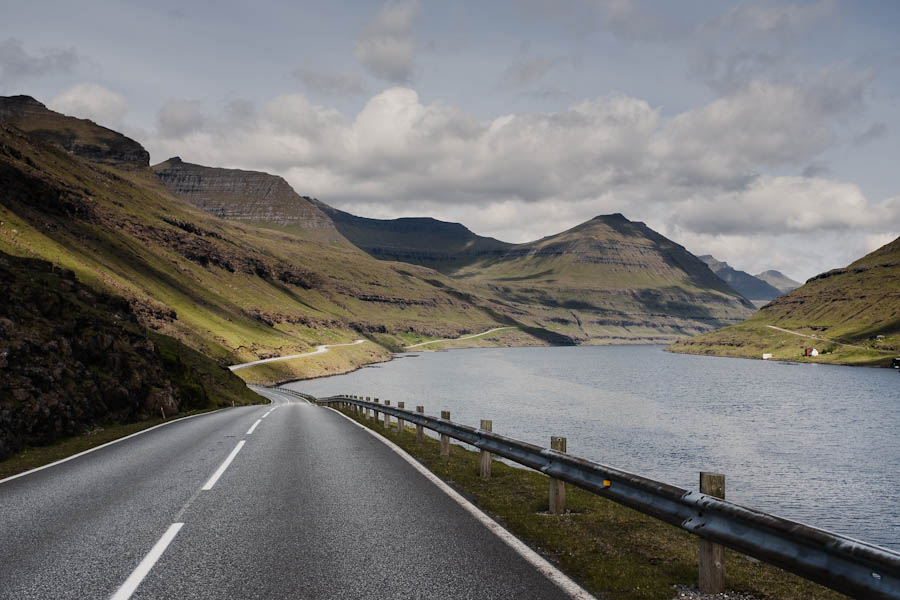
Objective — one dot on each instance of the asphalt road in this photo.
(310, 506)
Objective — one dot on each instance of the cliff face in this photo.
(80, 137)
(750, 287)
(242, 195)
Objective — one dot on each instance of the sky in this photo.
(765, 133)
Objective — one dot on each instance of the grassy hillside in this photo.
(850, 315)
(73, 359)
(231, 290)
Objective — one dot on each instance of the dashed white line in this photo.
(252, 427)
(215, 476)
(137, 576)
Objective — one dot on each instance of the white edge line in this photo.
(110, 443)
(137, 576)
(549, 571)
(250, 431)
(215, 476)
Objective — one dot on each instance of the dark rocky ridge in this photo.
(440, 245)
(242, 195)
(749, 286)
(80, 137)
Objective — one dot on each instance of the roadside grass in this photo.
(334, 362)
(38, 456)
(613, 551)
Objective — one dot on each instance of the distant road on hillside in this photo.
(465, 337)
(287, 500)
(319, 350)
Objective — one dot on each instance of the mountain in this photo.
(750, 287)
(779, 281)
(74, 359)
(850, 315)
(423, 241)
(230, 289)
(244, 195)
(79, 137)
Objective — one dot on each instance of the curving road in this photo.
(319, 350)
(465, 337)
(287, 500)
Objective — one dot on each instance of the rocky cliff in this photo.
(73, 359)
(242, 195)
(779, 281)
(80, 137)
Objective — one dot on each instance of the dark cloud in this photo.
(16, 63)
(874, 132)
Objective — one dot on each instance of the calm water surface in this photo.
(813, 443)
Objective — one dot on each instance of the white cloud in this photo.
(178, 118)
(386, 46)
(92, 101)
(696, 175)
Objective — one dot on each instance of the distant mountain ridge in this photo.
(779, 281)
(750, 287)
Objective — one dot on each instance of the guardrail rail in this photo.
(856, 568)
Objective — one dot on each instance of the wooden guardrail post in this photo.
(486, 425)
(445, 439)
(400, 405)
(375, 411)
(387, 417)
(557, 487)
(712, 555)
(420, 431)
(368, 413)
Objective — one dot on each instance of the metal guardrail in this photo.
(856, 568)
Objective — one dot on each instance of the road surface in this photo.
(287, 500)
(319, 350)
(465, 337)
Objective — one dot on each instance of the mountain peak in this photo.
(80, 137)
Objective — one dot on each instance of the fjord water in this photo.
(813, 443)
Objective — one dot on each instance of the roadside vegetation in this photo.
(613, 551)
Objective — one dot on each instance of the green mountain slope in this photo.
(73, 359)
(850, 315)
(230, 289)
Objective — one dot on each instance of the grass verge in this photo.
(613, 551)
(38, 456)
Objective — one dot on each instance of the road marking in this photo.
(319, 350)
(266, 415)
(215, 476)
(536, 560)
(95, 448)
(250, 431)
(137, 576)
(465, 337)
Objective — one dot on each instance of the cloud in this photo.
(94, 102)
(875, 131)
(16, 63)
(520, 176)
(324, 82)
(178, 118)
(386, 46)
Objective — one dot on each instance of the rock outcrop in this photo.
(80, 137)
(242, 195)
